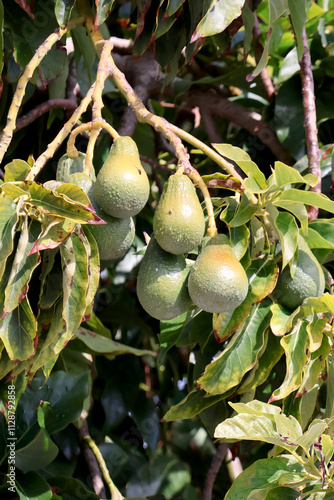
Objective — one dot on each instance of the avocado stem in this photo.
(43, 49)
(197, 179)
(72, 151)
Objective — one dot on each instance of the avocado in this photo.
(178, 222)
(308, 279)
(162, 283)
(217, 281)
(122, 187)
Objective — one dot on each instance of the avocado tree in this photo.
(166, 249)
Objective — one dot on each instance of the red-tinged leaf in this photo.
(220, 14)
(223, 181)
(26, 6)
(51, 282)
(22, 268)
(18, 331)
(103, 9)
(142, 8)
(57, 204)
(8, 220)
(54, 234)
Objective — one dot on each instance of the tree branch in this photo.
(310, 122)
(44, 107)
(92, 463)
(213, 471)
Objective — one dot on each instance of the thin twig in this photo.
(42, 108)
(84, 434)
(213, 470)
(310, 121)
(92, 462)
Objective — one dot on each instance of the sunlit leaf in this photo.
(220, 14)
(93, 265)
(239, 237)
(315, 330)
(191, 405)
(286, 175)
(222, 181)
(294, 346)
(16, 170)
(329, 411)
(246, 209)
(308, 198)
(298, 209)
(259, 241)
(263, 475)
(241, 353)
(312, 435)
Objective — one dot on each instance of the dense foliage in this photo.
(87, 376)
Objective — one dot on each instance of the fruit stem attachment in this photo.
(101, 76)
(197, 179)
(43, 49)
(72, 151)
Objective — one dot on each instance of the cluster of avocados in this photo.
(168, 284)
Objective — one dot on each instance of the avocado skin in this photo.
(178, 222)
(122, 187)
(114, 238)
(217, 281)
(162, 283)
(308, 280)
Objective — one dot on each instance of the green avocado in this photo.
(71, 170)
(122, 187)
(217, 281)
(178, 222)
(308, 279)
(162, 283)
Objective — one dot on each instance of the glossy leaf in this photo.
(298, 209)
(54, 203)
(246, 209)
(170, 331)
(93, 266)
(241, 353)
(39, 453)
(173, 6)
(294, 346)
(18, 331)
(287, 229)
(263, 475)
(312, 435)
(285, 492)
(16, 170)
(22, 268)
(8, 220)
(63, 9)
(239, 237)
(315, 331)
(220, 14)
(75, 282)
(298, 13)
(308, 197)
(285, 175)
(259, 241)
(103, 345)
(33, 486)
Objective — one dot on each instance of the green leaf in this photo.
(103, 345)
(315, 331)
(315, 240)
(329, 412)
(23, 266)
(39, 453)
(36, 29)
(32, 486)
(239, 237)
(220, 14)
(16, 170)
(8, 220)
(280, 492)
(63, 9)
(75, 282)
(70, 488)
(195, 402)
(18, 332)
(173, 6)
(298, 15)
(54, 203)
(240, 355)
(93, 266)
(243, 160)
(170, 331)
(298, 209)
(308, 197)
(259, 241)
(248, 19)
(312, 435)
(287, 229)
(103, 9)
(245, 211)
(294, 346)
(285, 175)
(51, 280)
(262, 475)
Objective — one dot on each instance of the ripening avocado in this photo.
(178, 222)
(217, 281)
(308, 279)
(114, 238)
(162, 283)
(122, 187)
